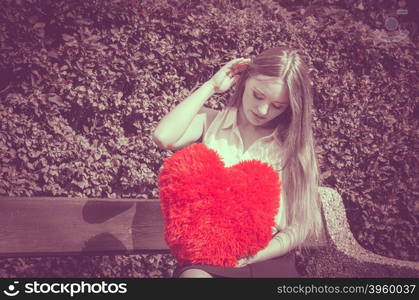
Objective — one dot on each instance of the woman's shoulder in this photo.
(208, 111)
(210, 115)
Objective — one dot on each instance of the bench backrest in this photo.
(60, 225)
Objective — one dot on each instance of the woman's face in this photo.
(264, 98)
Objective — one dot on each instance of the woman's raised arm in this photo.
(178, 121)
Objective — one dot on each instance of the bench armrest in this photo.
(345, 257)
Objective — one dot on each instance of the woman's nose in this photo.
(263, 109)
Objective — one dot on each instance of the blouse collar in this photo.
(231, 122)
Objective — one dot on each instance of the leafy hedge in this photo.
(366, 115)
(84, 83)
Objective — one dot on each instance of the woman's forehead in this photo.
(269, 79)
(273, 86)
(266, 81)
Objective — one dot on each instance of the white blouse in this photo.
(224, 137)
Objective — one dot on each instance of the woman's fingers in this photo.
(238, 67)
(232, 62)
(236, 78)
(241, 66)
(227, 75)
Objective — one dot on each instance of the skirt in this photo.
(279, 267)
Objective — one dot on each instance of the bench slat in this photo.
(60, 226)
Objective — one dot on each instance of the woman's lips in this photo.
(258, 117)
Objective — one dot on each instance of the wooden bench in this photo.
(61, 226)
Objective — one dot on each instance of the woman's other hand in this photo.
(242, 262)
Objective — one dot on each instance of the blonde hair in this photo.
(300, 178)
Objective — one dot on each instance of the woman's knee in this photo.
(195, 273)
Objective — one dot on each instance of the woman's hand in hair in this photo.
(228, 74)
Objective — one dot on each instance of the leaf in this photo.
(57, 100)
(66, 37)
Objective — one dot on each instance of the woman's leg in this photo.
(206, 271)
(194, 273)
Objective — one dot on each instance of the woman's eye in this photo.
(259, 98)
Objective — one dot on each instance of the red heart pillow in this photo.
(216, 215)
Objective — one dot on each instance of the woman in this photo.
(268, 118)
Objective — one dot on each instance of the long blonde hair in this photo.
(300, 178)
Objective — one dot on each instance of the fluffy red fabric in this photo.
(216, 215)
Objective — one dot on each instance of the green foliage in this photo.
(365, 120)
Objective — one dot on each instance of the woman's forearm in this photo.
(280, 244)
(174, 124)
